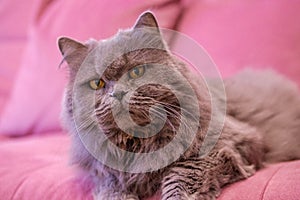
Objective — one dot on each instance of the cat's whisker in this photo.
(84, 125)
(161, 116)
(179, 107)
(181, 119)
(176, 116)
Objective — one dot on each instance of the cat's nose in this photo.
(118, 94)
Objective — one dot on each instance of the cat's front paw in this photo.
(206, 196)
(210, 195)
(189, 190)
(101, 196)
(130, 197)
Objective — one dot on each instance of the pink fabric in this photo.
(37, 168)
(12, 41)
(257, 33)
(276, 182)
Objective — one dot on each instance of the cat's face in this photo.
(128, 88)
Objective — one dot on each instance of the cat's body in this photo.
(271, 104)
(262, 122)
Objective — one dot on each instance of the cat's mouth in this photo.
(150, 134)
(140, 123)
(132, 142)
(147, 136)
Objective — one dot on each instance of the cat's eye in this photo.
(97, 84)
(136, 72)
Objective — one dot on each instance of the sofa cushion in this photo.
(257, 34)
(13, 38)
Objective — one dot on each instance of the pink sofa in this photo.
(34, 149)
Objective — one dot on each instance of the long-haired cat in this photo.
(138, 126)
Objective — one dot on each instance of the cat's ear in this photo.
(145, 20)
(148, 22)
(73, 51)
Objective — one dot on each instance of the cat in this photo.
(261, 123)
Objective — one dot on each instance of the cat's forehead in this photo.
(128, 41)
(126, 49)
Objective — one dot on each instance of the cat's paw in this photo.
(203, 193)
(206, 196)
(116, 197)
(248, 170)
(130, 197)
(211, 195)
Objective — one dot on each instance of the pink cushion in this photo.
(256, 33)
(277, 181)
(13, 37)
(37, 168)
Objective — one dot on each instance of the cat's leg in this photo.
(202, 179)
(105, 194)
(109, 188)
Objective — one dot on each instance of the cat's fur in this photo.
(262, 123)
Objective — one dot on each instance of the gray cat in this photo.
(138, 126)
